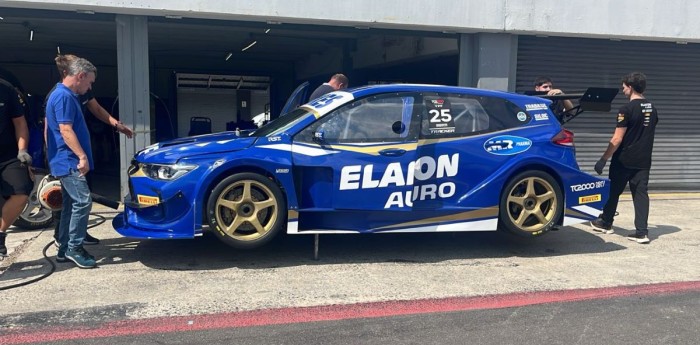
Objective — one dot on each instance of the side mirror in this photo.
(319, 136)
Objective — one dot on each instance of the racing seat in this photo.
(199, 125)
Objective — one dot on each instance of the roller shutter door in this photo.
(673, 84)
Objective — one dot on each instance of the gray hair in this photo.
(80, 65)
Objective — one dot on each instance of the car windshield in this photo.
(281, 124)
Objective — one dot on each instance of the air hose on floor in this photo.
(100, 221)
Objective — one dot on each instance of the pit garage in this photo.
(196, 75)
(205, 75)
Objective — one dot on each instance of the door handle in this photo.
(392, 152)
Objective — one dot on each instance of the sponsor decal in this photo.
(282, 171)
(586, 186)
(541, 117)
(273, 139)
(589, 198)
(437, 103)
(147, 200)
(218, 163)
(522, 116)
(325, 100)
(330, 101)
(507, 145)
(149, 149)
(415, 177)
(535, 106)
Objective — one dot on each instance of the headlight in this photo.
(166, 172)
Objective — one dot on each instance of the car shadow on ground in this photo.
(208, 253)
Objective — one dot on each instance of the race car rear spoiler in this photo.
(593, 99)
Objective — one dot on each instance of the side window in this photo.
(376, 119)
(455, 115)
(504, 114)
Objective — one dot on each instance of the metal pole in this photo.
(316, 247)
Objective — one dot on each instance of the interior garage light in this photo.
(267, 30)
(31, 34)
(249, 45)
(1, 18)
(85, 11)
(228, 56)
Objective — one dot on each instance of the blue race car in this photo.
(375, 159)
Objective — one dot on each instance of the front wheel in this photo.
(246, 210)
(531, 204)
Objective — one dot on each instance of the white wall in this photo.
(667, 20)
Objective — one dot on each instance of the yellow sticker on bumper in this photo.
(148, 200)
(589, 198)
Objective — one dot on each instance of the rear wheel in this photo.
(246, 210)
(531, 204)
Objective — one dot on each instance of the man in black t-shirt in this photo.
(15, 179)
(630, 149)
(337, 82)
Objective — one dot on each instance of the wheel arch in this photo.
(204, 192)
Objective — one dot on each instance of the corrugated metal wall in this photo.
(673, 85)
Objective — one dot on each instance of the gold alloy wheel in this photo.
(531, 204)
(246, 210)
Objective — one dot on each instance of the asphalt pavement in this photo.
(142, 279)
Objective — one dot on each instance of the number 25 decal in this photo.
(442, 115)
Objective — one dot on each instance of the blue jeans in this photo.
(77, 204)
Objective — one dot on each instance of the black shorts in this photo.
(14, 179)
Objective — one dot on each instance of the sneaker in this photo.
(643, 239)
(599, 225)
(61, 255)
(89, 240)
(81, 258)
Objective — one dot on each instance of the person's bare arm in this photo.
(104, 116)
(71, 140)
(21, 132)
(567, 103)
(22, 135)
(615, 142)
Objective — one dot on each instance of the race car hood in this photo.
(174, 150)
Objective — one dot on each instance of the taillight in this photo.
(564, 138)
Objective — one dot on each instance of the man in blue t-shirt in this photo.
(70, 159)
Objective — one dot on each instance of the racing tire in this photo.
(34, 216)
(246, 210)
(531, 204)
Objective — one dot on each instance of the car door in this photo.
(354, 165)
(297, 98)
